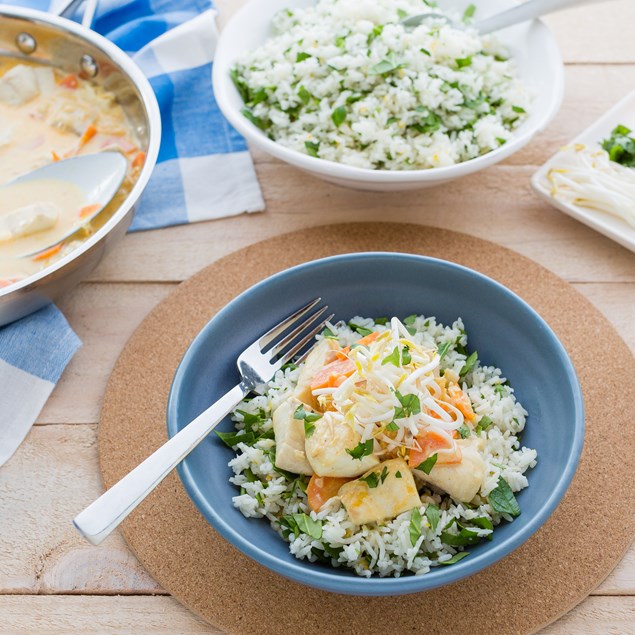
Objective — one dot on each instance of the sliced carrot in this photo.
(333, 374)
(461, 401)
(47, 253)
(431, 442)
(89, 133)
(322, 488)
(139, 160)
(70, 81)
(368, 339)
(56, 157)
(89, 210)
(343, 354)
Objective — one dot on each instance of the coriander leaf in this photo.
(257, 121)
(362, 449)
(443, 349)
(414, 529)
(392, 427)
(371, 480)
(304, 95)
(410, 320)
(384, 474)
(232, 439)
(483, 523)
(434, 515)
(387, 65)
(518, 109)
(300, 57)
(308, 526)
(464, 431)
(502, 499)
(381, 320)
(360, 329)
(462, 539)
(500, 390)
(410, 405)
(397, 357)
(351, 99)
(455, 558)
(402, 14)
(339, 115)
(334, 552)
(621, 146)
(375, 33)
(501, 141)
(470, 362)
(309, 428)
(425, 52)
(241, 85)
(484, 423)
(340, 41)
(312, 148)
(406, 357)
(300, 412)
(428, 464)
(397, 474)
(327, 333)
(463, 62)
(469, 12)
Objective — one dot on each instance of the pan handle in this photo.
(69, 8)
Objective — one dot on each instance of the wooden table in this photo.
(51, 581)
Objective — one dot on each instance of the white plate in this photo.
(615, 228)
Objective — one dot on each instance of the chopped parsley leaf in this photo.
(502, 499)
(362, 449)
(428, 464)
(470, 362)
(414, 529)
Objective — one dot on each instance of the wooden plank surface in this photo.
(52, 582)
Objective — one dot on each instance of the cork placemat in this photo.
(553, 571)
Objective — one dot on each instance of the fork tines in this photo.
(302, 333)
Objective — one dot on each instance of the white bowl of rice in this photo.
(342, 90)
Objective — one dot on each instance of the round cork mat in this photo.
(543, 579)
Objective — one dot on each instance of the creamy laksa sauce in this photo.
(47, 115)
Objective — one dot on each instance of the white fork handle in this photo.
(102, 516)
(526, 11)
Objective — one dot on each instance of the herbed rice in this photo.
(383, 548)
(343, 80)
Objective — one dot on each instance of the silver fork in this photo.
(257, 365)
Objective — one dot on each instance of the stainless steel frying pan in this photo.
(54, 40)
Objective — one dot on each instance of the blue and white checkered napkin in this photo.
(204, 171)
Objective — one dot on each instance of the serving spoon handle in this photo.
(523, 12)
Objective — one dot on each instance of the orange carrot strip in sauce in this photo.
(89, 210)
(139, 160)
(47, 253)
(70, 81)
(89, 133)
(56, 157)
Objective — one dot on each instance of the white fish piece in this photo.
(19, 85)
(316, 360)
(383, 492)
(27, 220)
(463, 480)
(327, 445)
(289, 435)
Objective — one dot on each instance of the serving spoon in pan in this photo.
(97, 176)
(522, 13)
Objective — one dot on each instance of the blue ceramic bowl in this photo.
(506, 332)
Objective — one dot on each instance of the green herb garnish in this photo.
(464, 431)
(362, 449)
(443, 349)
(397, 474)
(312, 148)
(428, 464)
(621, 146)
(363, 331)
(469, 12)
(302, 524)
(518, 109)
(470, 362)
(463, 62)
(327, 333)
(398, 357)
(339, 115)
(300, 57)
(372, 480)
(414, 529)
(257, 121)
(392, 427)
(388, 65)
(456, 557)
(434, 515)
(484, 423)
(232, 439)
(410, 405)
(502, 499)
